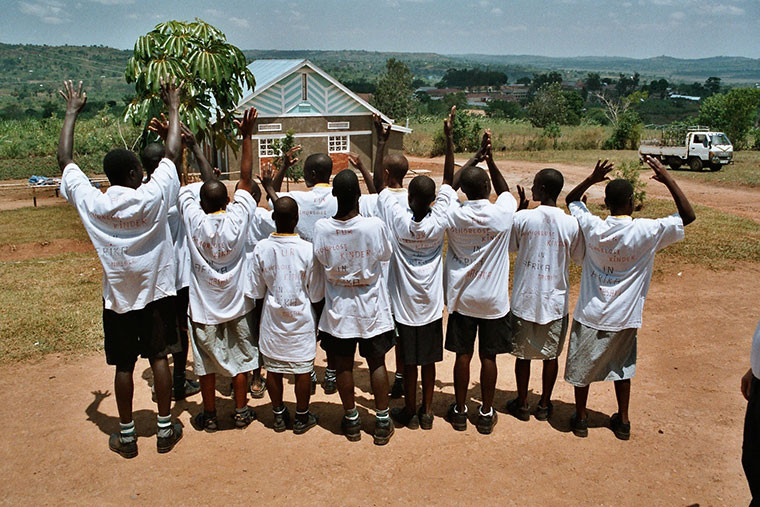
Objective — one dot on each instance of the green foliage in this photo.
(282, 146)
(630, 171)
(548, 106)
(393, 93)
(574, 110)
(441, 108)
(553, 132)
(627, 132)
(733, 112)
(466, 78)
(467, 131)
(214, 74)
(755, 136)
(504, 109)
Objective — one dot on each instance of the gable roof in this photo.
(269, 72)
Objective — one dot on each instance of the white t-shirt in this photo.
(129, 230)
(754, 357)
(313, 205)
(217, 244)
(415, 279)
(476, 273)
(357, 304)
(179, 240)
(285, 278)
(368, 206)
(546, 238)
(618, 264)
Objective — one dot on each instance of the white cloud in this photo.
(728, 9)
(239, 22)
(496, 11)
(47, 11)
(484, 3)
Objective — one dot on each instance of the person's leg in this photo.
(274, 387)
(208, 392)
(461, 380)
(240, 386)
(522, 378)
(162, 380)
(124, 387)
(379, 381)
(623, 395)
(303, 391)
(548, 379)
(410, 388)
(428, 384)
(488, 374)
(344, 373)
(397, 388)
(581, 397)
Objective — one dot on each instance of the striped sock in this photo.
(352, 414)
(164, 426)
(277, 411)
(399, 376)
(127, 432)
(382, 414)
(330, 374)
(313, 376)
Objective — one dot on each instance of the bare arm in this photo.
(368, 179)
(266, 182)
(188, 138)
(598, 175)
(383, 133)
(448, 132)
(75, 101)
(246, 126)
(289, 159)
(477, 158)
(662, 175)
(497, 179)
(170, 95)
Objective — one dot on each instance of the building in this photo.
(324, 115)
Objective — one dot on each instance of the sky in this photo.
(633, 28)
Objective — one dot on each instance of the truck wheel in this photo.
(674, 162)
(695, 164)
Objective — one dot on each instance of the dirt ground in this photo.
(686, 411)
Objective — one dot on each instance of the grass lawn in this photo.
(27, 225)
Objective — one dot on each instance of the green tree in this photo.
(214, 73)
(553, 132)
(733, 112)
(282, 146)
(548, 106)
(393, 93)
(574, 111)
(712, 85)
(626, 133)
(466, 133)
(504, 109)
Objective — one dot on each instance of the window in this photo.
(270, 127)
(338, 125)
(266, 148)
(337, 144)
(304, 87)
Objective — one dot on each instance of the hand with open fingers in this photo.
(217, 172)
(75, 98)
(448, 123)
(383, 130)
(267, 174)
(248, 123)
(160, 127)
(290, 158)
(523, 201)
(747, 384)
(601, 170)
(485, 147)
(661, 173)
(188, 138)
(170, 90)
(354, 159)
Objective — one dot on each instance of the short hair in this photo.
(346, 187)
(397, 166)
(151, 156)
(321, 165)
(618, 193)
(475, 183)
(213, 195)
(285, 212)
(552, 180)
(423, 188)
(117, 164)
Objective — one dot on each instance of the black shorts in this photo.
(420, 345)
(494, 335)
(150, 332)
(377, 346)
(183, 301)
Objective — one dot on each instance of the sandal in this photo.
(243, 419)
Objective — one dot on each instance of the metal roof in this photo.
(267, 72)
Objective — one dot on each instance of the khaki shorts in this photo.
(596, 356)
(227, 348)
(287, 367)
(538, 341)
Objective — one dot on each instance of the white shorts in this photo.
(226, 349)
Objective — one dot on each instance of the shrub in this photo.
(630, 171)
(282, 146)
(467, 132)
(626, 134)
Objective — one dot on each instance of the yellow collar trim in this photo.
(322, 185)
(622, 216)
(219, 212)
(402, 189)
(284, 234)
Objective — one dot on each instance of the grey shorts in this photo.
(538, 341)
(287, 367)
(596, 356)
(227, 348)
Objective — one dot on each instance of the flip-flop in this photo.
(259, 393)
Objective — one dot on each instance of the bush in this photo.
(755, 136)
(626, 134)
(467, 132)
(630, 171)
(282, 146)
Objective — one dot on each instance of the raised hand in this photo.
(290, 158)
(248, 123)
(354, 159)
(383, 129)
(160, 127)
(75, 98)
(484, 152)
(523, 201)
(170, 91)
(448, 123)
(188, 138)
(661, 173)
(267, 174)
(601, 170)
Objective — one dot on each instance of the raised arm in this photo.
(383, 133)
(448, 133)
(246, 126)
(289, 159)
(368, 179)
(662, 175)
(170, 92)
(497, 179)
(188, 139)
(598, 175)
(266, 182)
(75, 101)
(478, 157)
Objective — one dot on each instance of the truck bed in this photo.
(665, 151)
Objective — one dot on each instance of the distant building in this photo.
(325, 116)
(685, 97)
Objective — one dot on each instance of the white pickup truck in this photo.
(700, 148)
